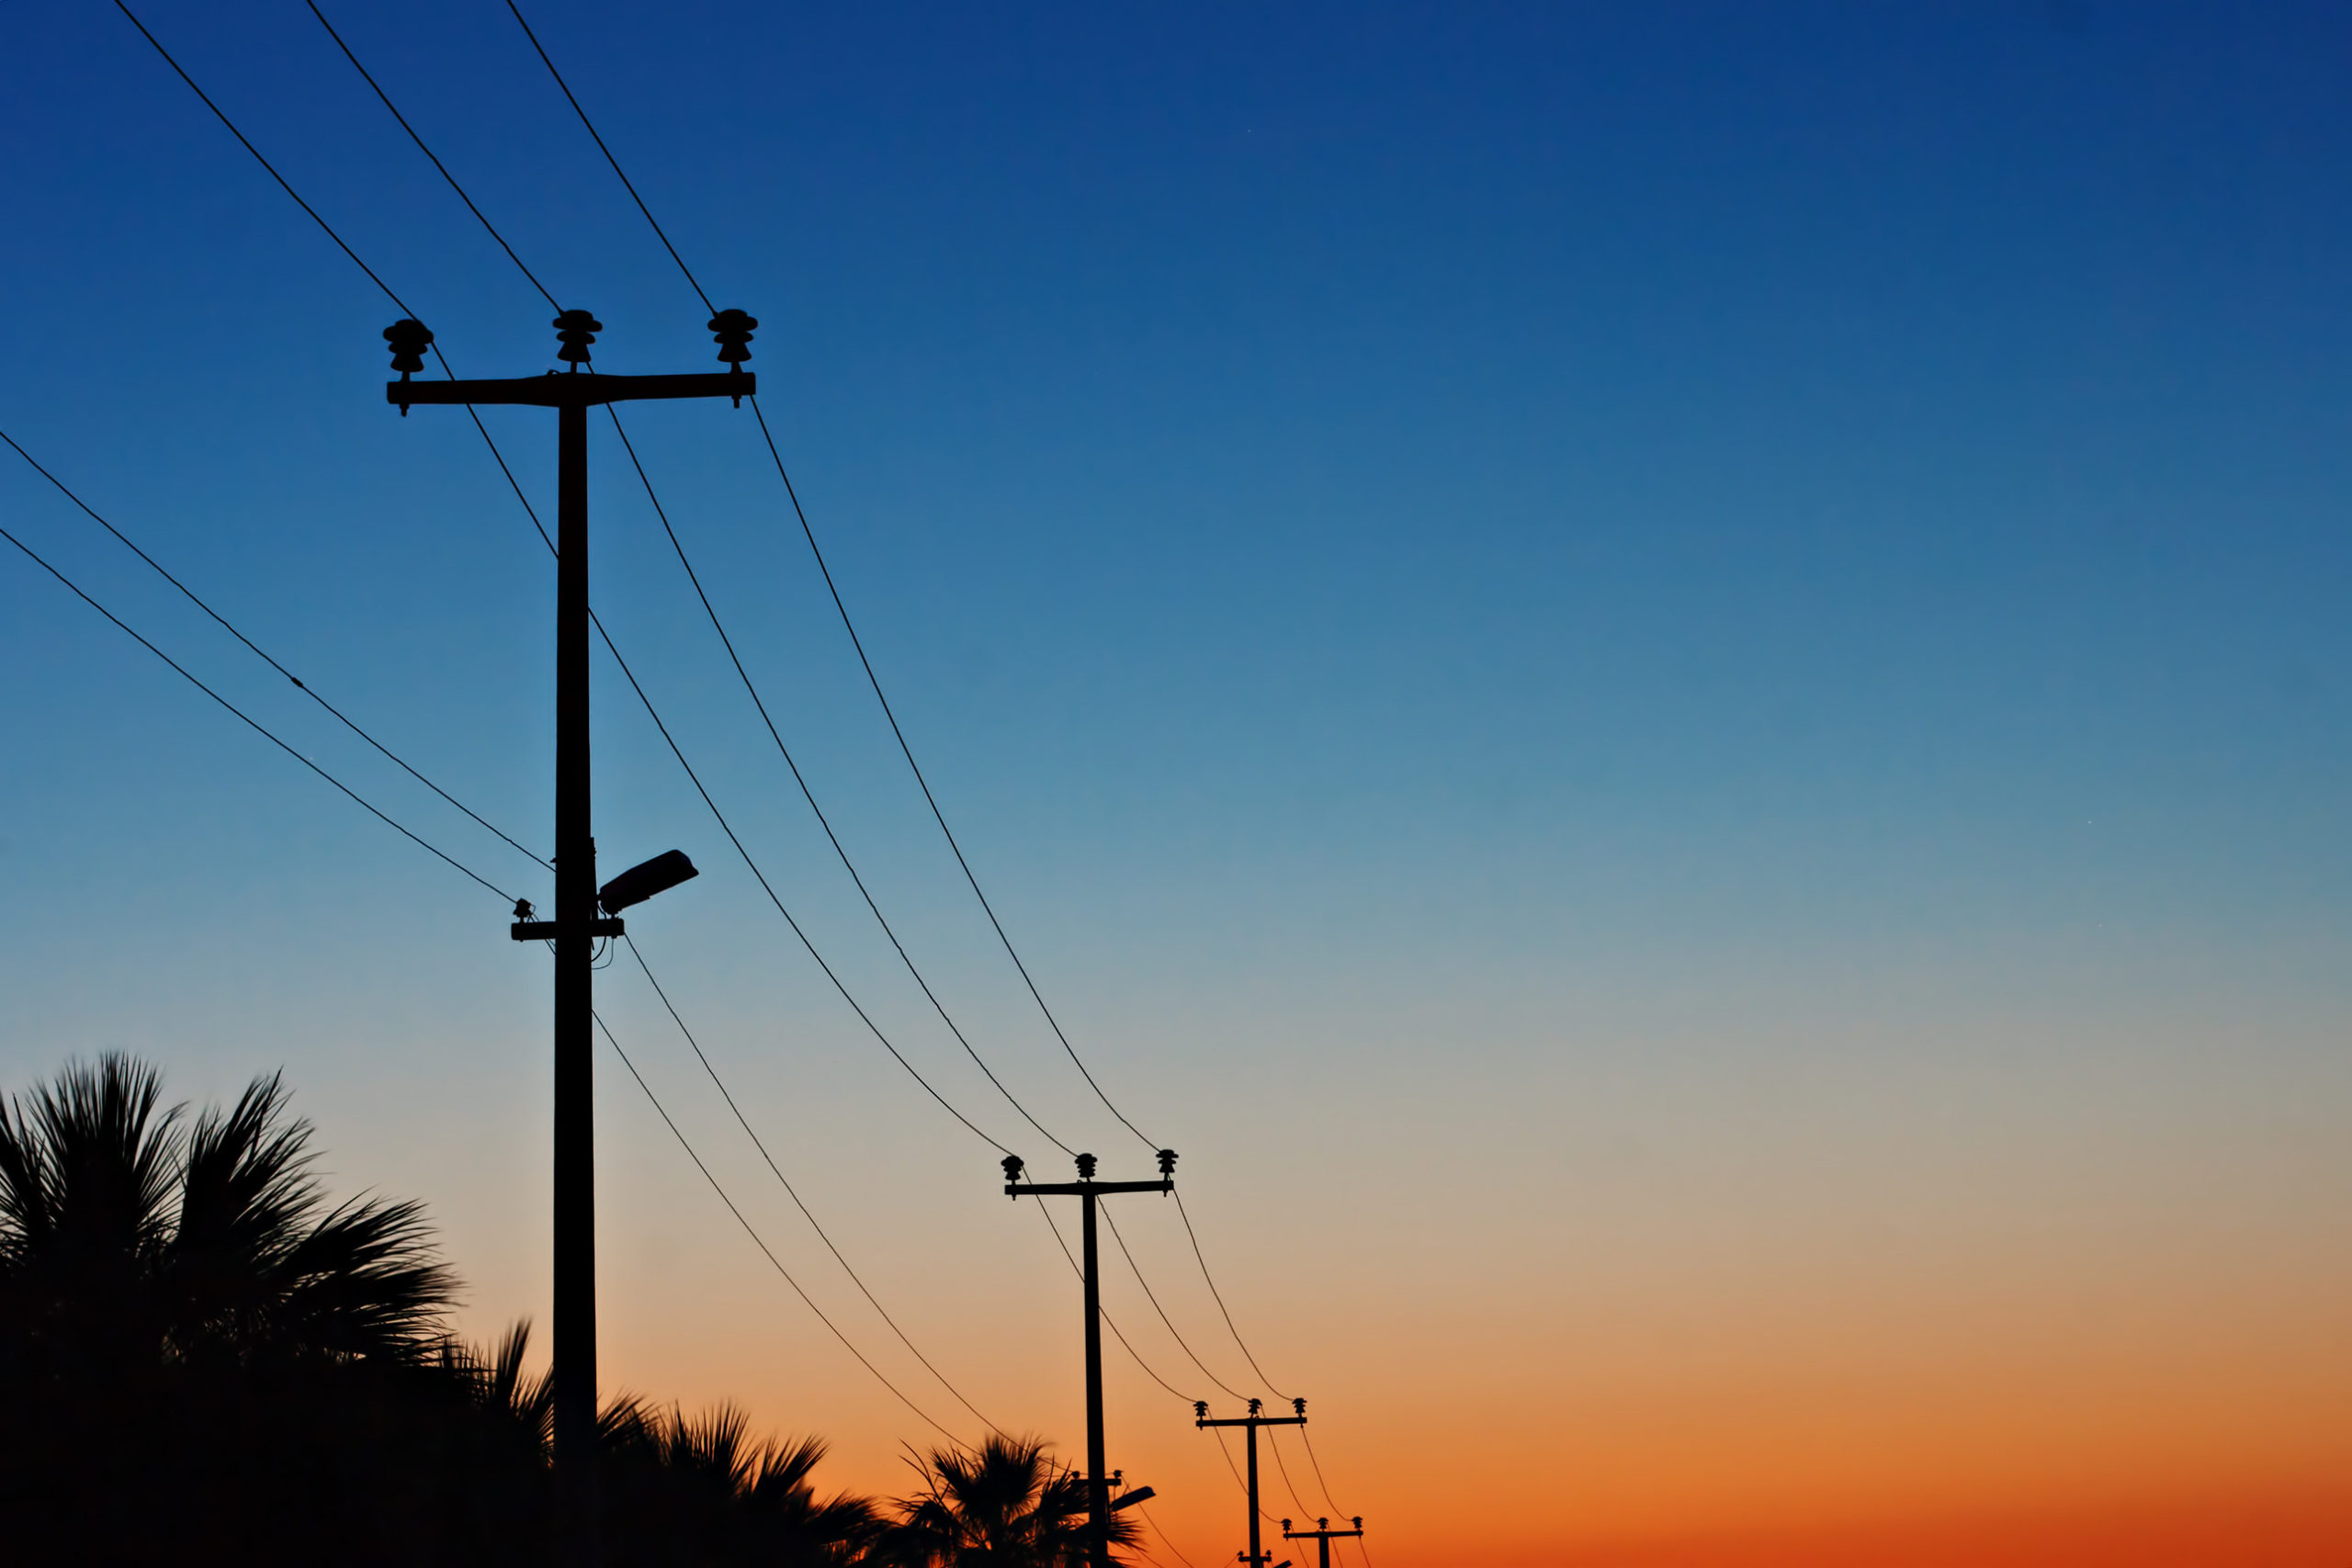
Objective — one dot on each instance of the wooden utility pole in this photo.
(1323, 1535)
(1087, 1189)
(1255, 1557)
(576, 924)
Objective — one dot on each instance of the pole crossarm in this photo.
(1253, 1421)
(571, 390)
(1081, 1189)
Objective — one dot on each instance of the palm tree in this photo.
(700, 1491)
(128, 1236)
(199, 1353)
(1005, 1505)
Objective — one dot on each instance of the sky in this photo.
(1667, 682)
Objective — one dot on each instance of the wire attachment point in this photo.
(409, 338)
(576, 329)
(1086, 1168)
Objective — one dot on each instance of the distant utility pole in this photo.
(1087, 1189)
(576, 924)
(1255, 1557)
(1322, 1536)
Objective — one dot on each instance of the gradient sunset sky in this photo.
(1670, 682)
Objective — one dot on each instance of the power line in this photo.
(786, 1182)
(1108, 1321)
(290, 190)
(1325, 1485)
(437, 163)
(192, 597)
(1275, 1444)
(805, 794)
(1162, 1310)
(616, 163)
(1219, 1295)
(763, 1246)
(1165, 1539)
(929, 799)
(254, 724)
(726, 828)
(848, 626)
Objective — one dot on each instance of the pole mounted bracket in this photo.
(547, 930)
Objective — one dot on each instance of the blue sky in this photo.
(1470, 577)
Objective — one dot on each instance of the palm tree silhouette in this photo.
(1005, 1505)
(131, 1236)
(698, 1490)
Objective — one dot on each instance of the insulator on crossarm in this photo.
(1168, 1164)
(1299, 1407)
(1011, 1169)
(731, 331)
(409, 338)
(1200, 1410)
(1086, 1168)
(576, 329)
(1256, 1406)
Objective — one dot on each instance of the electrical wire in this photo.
(758, 1241)
(1154, 1300)
(1218, 1432)
(1165, 1539)
(805, 794)
(1337, 1510)
(1219, 1295)
(907, 750)
(724, 1093)
(761, 876)
(264, 162)
(259, 652)
(616, 163)
(1107, 1319)
(437, 163)
(1284, 1470)
(253, 723)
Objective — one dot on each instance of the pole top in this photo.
(1086, 1168)
(576, 329)
(1256, 1406)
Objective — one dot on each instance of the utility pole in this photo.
(576, 924)
(1255, 1557)
(1087, 1189)
(1323, 1535)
